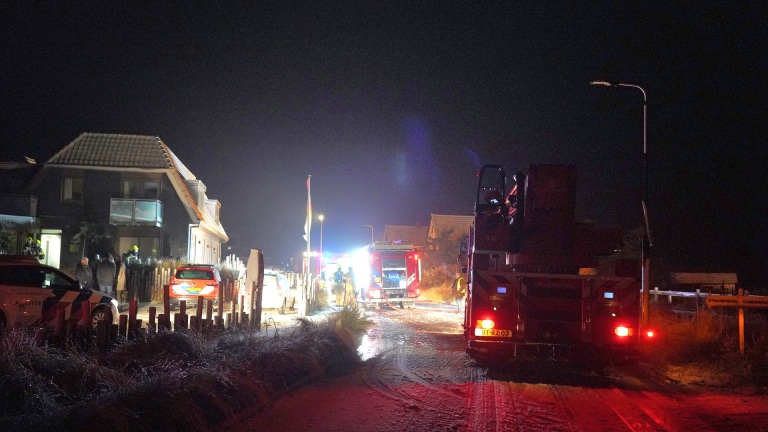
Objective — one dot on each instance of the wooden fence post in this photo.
(698, 294)
(113, 332)
(209, 316)
(133, 310)
(220, 301)
(85, 316)
(167, 300)
(101, 334)
(152, 325)
(58, 326)
(741, 325)
(241, 310)
(199, 312)
(163, 322)
(123, 329)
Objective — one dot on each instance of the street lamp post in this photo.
(371, 227)
(646, 244)
(322, 218)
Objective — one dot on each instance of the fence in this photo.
(697, 296)
(199, 318)
(145, 282)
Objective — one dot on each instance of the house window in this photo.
(141, 189)
(72, 189)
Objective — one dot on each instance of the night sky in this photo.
(393, 106)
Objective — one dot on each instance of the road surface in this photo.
(416, 377)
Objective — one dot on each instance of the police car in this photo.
(31, 294)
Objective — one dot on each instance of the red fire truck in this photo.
(393, 272)
(537, 286)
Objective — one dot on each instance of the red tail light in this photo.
(622, 331)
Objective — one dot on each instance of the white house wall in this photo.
(204, 248)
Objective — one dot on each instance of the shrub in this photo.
(710, 339)
(168, 381)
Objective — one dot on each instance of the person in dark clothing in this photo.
(105, 275)
(132, 254)
(83, 273)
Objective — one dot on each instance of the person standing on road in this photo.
(338, 286)
(459, 292)
(105, 275)
(349, 285)
(83, 273)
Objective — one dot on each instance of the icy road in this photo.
(416, 377)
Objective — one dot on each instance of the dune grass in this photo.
(169, 380)
(704, 347)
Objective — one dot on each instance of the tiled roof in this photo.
(415, 234)
(114, 150)
(457, 224)
(102, 151)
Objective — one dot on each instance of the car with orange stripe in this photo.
(192, 281)
(31, 294)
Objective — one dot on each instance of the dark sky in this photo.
(393, 106)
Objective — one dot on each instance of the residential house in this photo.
(18, 212)
(103, 193)
(406, 233)
(455, 227)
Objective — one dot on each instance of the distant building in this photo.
(407, 233)
(724, 283)
(454, 226)
(18, 212)
(130, 190)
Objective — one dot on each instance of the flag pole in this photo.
(307, 235)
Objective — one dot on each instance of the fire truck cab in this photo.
(393, 274)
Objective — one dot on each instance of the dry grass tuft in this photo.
(168, 381)
(704, 348)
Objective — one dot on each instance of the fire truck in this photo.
(393, 271)
(539, 284)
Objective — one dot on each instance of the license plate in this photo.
(493, 332)
(193, 290)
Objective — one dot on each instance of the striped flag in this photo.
(308, 222)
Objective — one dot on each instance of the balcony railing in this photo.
(135, 212)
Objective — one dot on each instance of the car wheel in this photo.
(99, 314)
(281, 309)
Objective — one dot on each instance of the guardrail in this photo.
(739, 302)
(696, 295)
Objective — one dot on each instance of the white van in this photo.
(277, 293)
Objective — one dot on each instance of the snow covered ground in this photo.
(416, 377)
